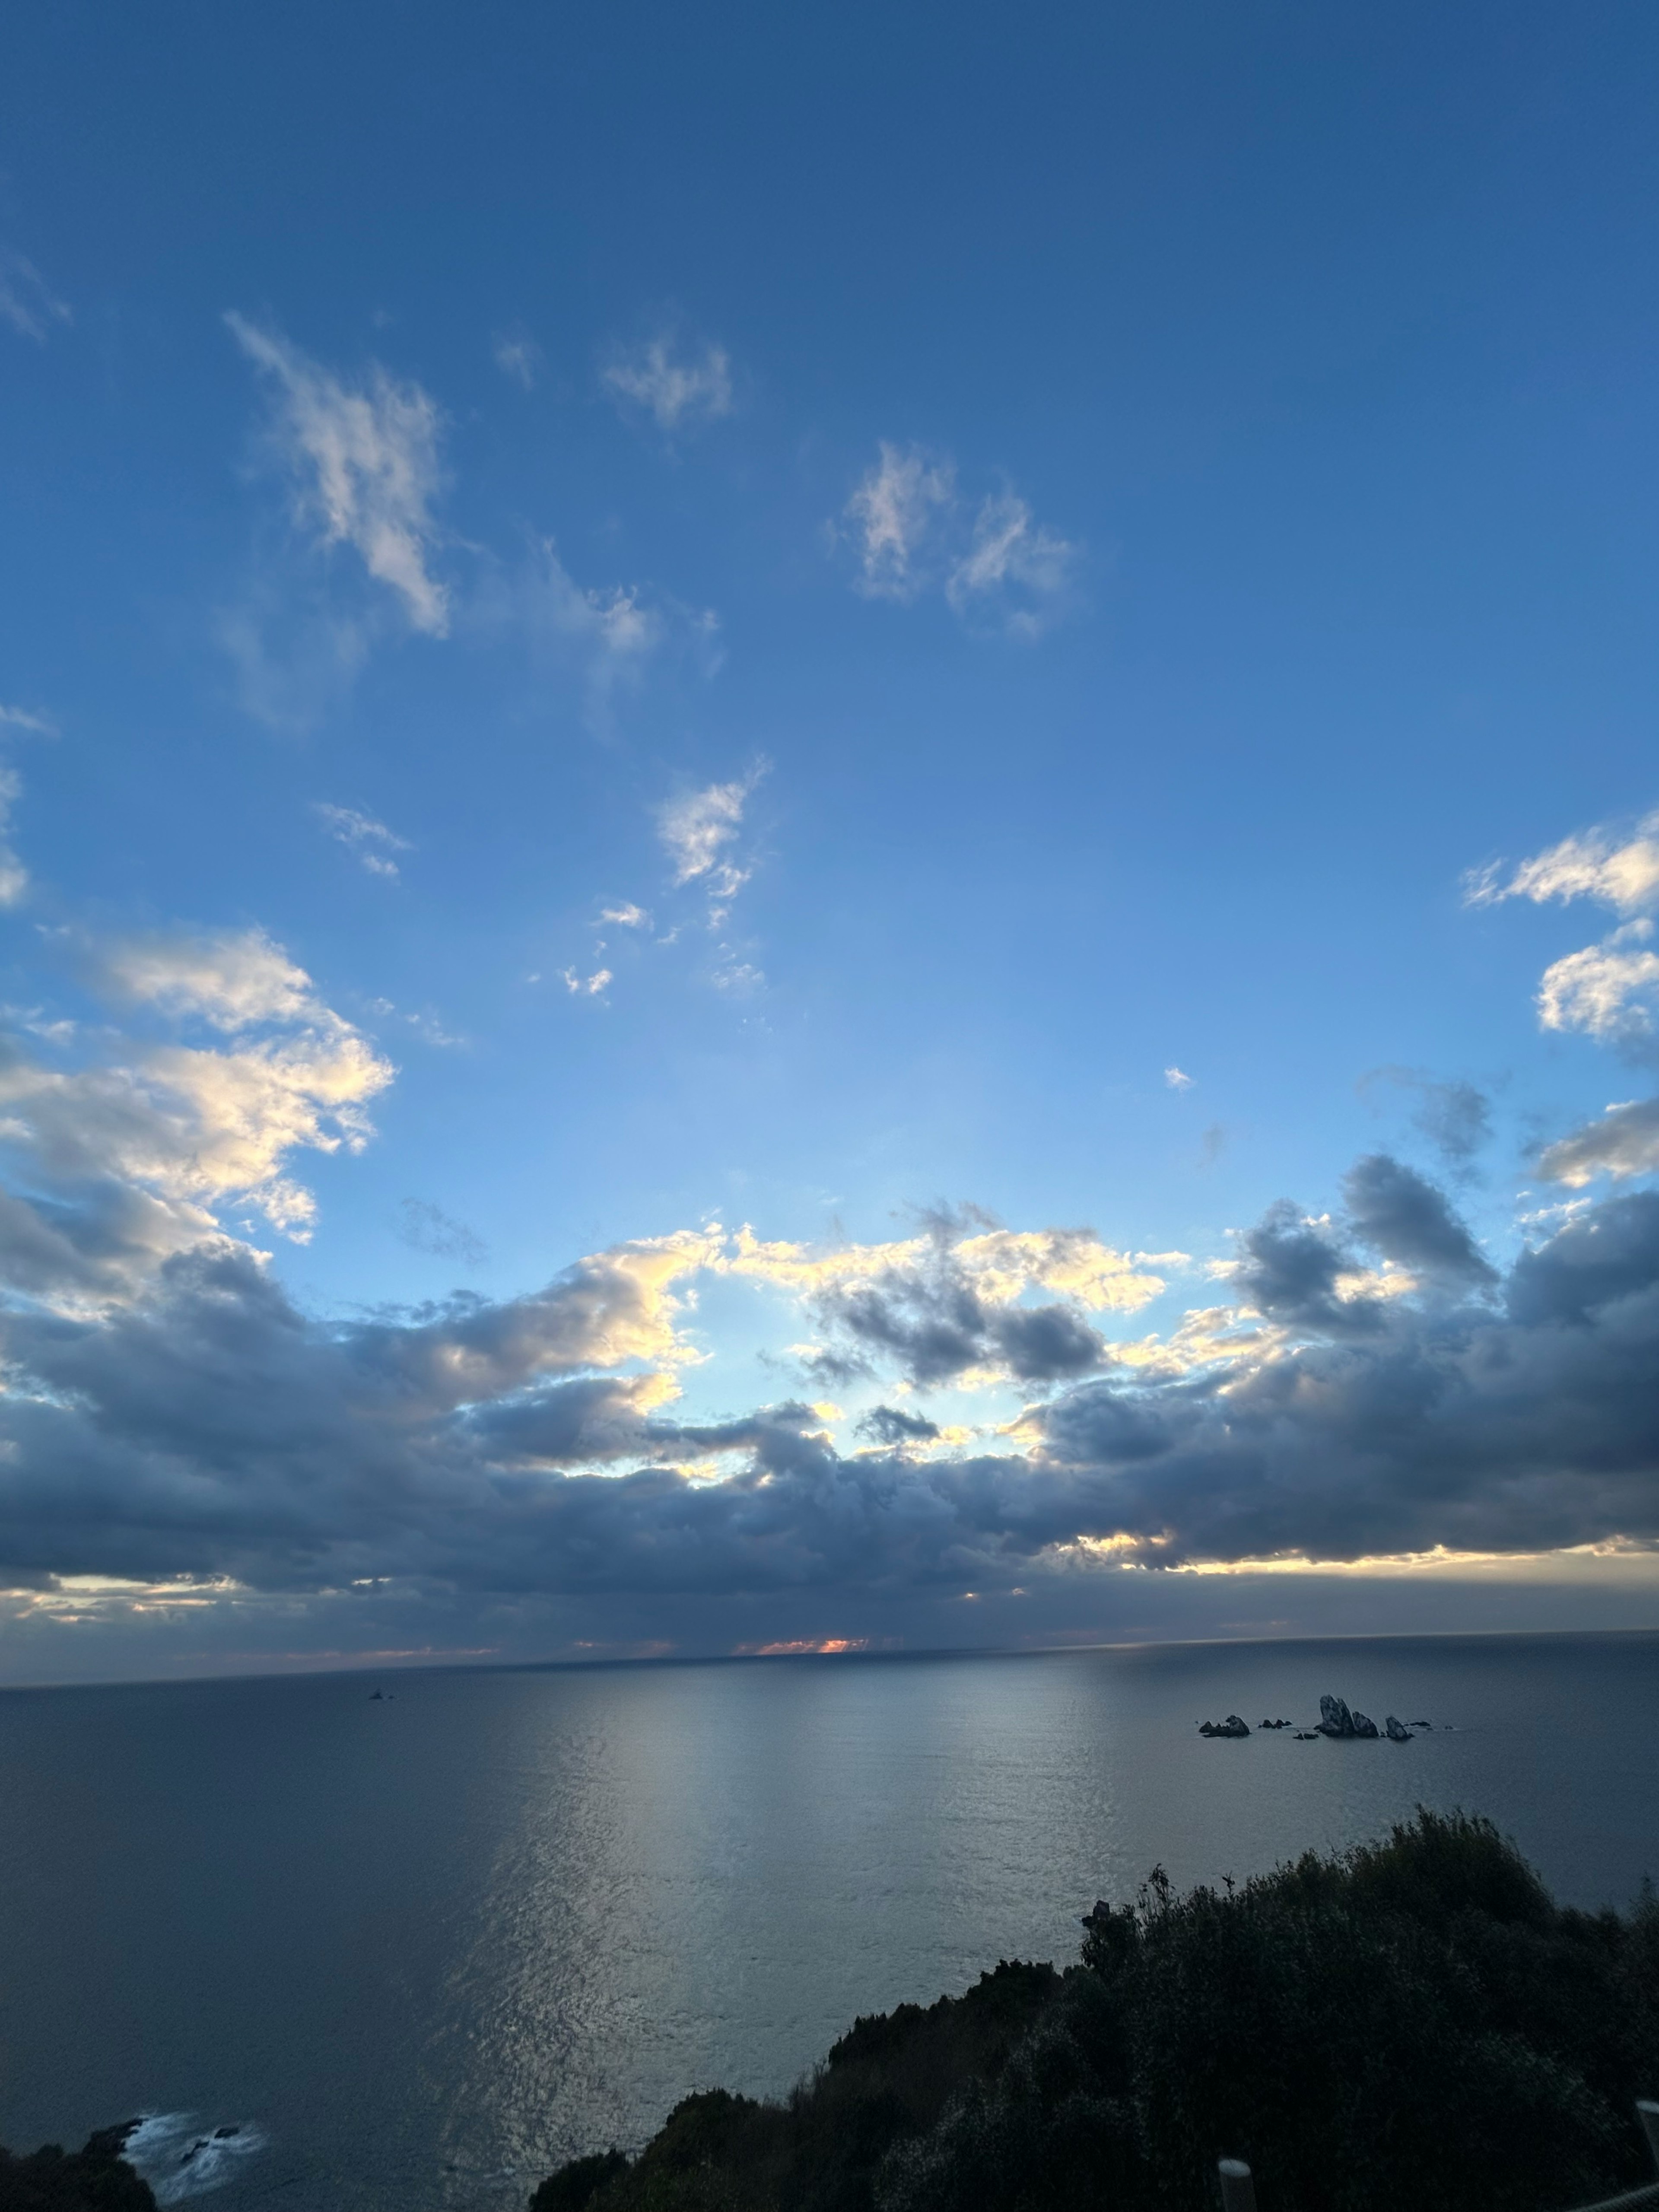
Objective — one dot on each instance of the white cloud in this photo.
(677, 394)
(624, 917)
(518, 357)
(365, 465)
(1014, 570)
(1603, 990)
(1002, 570)
(1176, 1080)
(698, 826)
(586, 986)
(199, 1127)
(1594, 864)
(232, 980)
(360, 834)
(26, 301)
(1623, 1142)
(893, 509)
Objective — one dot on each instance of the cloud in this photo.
(426, 1228)
(1176, 1080)
(371, 841)
(1014, 573)
(203, 1429)
(1454, 1117)
(186, 1129)
(14, 876)
(612, 634)
(1596, 864)
(1002, 570)
(27, 303)
(232, 980)
(590, 986)
(698, 828)
(1402, 1215)
(518, 356)
(894, 511)
(364, 464)
(211, 1428)
(1623, 1142)
(887, 1424)
(1603, 991)
(677, 394)
(20, 718)
(627, 916)
(949, 1304)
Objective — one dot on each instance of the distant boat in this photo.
(374, 1694)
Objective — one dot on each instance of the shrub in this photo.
(1413, 2022)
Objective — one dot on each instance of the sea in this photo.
(347, 1952)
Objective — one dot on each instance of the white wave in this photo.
(180, 2159)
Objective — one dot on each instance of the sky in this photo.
(825, 831)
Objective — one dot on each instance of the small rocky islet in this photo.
(1336, 1718)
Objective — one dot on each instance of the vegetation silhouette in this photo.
(1414, 2022)
(94, 2179)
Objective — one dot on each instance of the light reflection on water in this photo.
(433, 1945)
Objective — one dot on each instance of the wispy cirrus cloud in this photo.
(518, 356)
(14, 876)
(1015, 574)
(363, 460)
(679, 392)
(24, 717)
(998, 567)
(426, 1228)
(27, 303)
(369, 842)
(894, 512)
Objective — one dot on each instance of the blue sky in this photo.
(913, 633)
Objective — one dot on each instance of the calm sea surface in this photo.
(420, 1950)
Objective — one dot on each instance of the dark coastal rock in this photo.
(1273, 1724)
(1396, 1731)
(1365, 1725)
(1233, 1725)
(1306, 1735)
(1334, 1718)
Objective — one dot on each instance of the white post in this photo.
(1648, 2112)
(1238, 2191)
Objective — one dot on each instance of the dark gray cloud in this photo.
(886, 1425)
(1395, 1211)
(210, 1427)
(1290, 1270)
(931, 1319)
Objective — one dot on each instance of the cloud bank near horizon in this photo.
(180, 1438)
